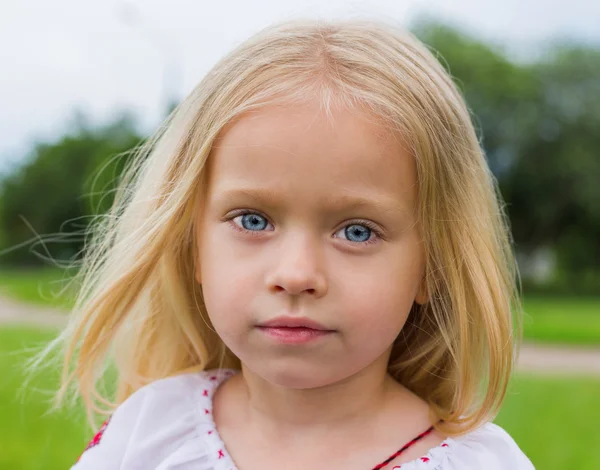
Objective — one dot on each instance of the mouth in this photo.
(293, 330)
(294, 322)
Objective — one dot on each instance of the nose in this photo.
(298, 268)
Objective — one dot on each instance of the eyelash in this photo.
(370, 225)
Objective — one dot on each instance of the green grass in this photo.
(30, 437)
(40, 286)
(553, 420)
(562, 320)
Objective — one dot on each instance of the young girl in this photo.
(309, 268)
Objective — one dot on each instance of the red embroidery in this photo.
(221, 454)
(205, 393)
(415, 440)
(206, 412)
(444, 445)
(96, 439)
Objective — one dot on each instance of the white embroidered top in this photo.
(168, 425)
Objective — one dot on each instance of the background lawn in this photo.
(562, 320)
(39, 286)
(553, 420)
(31, 439)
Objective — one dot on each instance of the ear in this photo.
(422, 296)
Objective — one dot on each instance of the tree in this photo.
(539, 125)
(56, 191)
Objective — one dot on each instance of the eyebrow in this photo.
(333, 203)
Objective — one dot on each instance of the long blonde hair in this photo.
(139, 307)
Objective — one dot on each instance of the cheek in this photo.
(377, 300)
(385, 287)
(375, 310)
(375, 315)
(228, 282)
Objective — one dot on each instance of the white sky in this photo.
(60, 55)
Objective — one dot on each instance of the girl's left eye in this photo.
(360, 232)
(356, 232)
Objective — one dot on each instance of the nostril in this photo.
(281, 289)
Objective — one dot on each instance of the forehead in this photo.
(300, 151)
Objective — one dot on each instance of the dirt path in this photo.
(534, 357)
(564, 360)
(12, 312)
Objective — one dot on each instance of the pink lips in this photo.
(294, 330)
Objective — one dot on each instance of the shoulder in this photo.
(489, 447)
(157, 423)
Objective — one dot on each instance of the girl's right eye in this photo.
(249, 222)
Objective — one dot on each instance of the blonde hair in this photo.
(140, 307)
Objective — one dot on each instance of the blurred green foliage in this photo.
(60, 187)
(539, 123)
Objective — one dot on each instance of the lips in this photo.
(294, 322)
(295, 331)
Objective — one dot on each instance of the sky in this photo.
(105, 56)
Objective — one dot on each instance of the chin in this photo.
(296, 374)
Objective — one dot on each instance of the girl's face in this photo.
(309, 219)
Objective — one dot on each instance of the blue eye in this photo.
(357, 233)
(253, 222)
